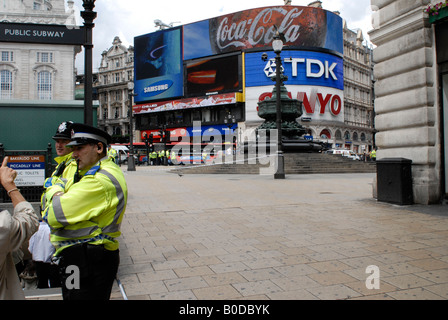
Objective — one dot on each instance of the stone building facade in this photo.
(411, 92)
(356, 133)
(32, 71)
(115, 71)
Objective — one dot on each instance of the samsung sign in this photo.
(301, 68)
(158, 65)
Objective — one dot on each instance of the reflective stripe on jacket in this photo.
(90, 210)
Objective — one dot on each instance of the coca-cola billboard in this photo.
(256, 28)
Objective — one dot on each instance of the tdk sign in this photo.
(301, 68)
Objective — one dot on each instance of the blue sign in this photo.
(211, 130)
(158, 65)
(301, 67)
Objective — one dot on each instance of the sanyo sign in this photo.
(315, 78)
(301, 68)
(318, 103)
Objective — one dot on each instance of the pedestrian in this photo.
(113, 154)
(373, 154)
(14, 231)
(85, 218)
(42, 251)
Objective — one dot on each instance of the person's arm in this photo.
(7, 176)
(24, 222)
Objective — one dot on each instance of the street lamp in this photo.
(277, 45)
(131, 160)
(88, 15)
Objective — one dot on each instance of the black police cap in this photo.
(84, 134)
(64, 131)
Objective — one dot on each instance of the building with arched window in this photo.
(116, 70)
(38, 47)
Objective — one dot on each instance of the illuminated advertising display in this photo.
(301, 68)
(188, 103)
(213, 76)
(303, 27)
(318, 103)
(158, 65)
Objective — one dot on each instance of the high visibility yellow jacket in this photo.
(90, 210)
(65, 170)
(112, 153)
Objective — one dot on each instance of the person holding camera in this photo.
(14, 231)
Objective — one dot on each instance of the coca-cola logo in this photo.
(301, 26)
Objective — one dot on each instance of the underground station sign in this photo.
(41, 33)
(30, 170)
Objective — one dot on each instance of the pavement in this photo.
(250, 237)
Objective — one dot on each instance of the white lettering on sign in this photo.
(156, 88)
(324, 68)
(235, 34)
(34, 33)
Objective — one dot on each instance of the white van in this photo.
(122, 153)
(347, 153)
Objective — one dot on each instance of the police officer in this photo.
(85, 217)
(113, 154)
(65, 167)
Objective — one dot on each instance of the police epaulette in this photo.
(93, 171)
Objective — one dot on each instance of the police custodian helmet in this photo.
(64, 131)
(83, 134)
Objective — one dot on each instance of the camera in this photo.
(264, 57)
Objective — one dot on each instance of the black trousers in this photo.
(47, 275)
(88, 272)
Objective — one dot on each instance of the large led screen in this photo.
(303, 27)
(301, 67)
(213, 76)
(158, 65)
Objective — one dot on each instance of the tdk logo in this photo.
(270, 69)
(314, 68)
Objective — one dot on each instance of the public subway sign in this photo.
(40, 33)
(302, 27)
(30, 170)
(301, 68)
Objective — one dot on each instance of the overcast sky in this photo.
(131, 18)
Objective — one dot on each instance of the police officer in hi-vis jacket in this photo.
(85, 215)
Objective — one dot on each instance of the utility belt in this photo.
(84, 254)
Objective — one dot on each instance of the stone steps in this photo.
(297, 163)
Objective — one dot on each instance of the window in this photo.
(45, 57)
(44, 85)
(7, 56)
(5, 84)
(36, 6)
(117, 77)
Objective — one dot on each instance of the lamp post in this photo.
(88, 15)
(131, 160)
(277, 45)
